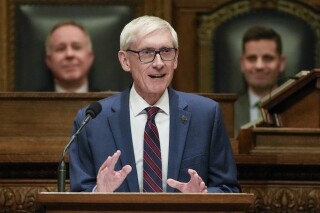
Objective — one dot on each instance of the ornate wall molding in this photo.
(21, 198)
(307, 15)
(208, 24)
(271, 197)
(285, 198)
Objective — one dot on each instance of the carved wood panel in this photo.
(269, 197)
(285, 198)
(21, 197)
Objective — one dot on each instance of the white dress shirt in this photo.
(138, 119)
(254, 108)
(83, 88)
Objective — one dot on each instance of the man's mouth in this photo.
(157, 76)
(70, 66)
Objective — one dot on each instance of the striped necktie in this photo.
(152, 167)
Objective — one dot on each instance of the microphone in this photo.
(91, 112)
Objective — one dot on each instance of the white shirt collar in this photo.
(253, 99)
(138, 104)
(83, 88)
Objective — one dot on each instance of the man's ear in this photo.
(91, 58)
(176, 60)
(283, 63)
(125, 63)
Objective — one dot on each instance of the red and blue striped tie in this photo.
(152, 167)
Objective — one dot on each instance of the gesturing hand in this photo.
(109, 180)
(195, 185)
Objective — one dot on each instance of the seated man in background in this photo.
(69, 57)
(150, 137)
(261, 64)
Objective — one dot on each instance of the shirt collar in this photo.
(138, 104)
(253, 99)
(83, 88)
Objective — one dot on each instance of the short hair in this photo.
(65, 23)
(257, 33)
(143, 26)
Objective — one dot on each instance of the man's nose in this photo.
(69, 51)
(259, 63)
(157, 60)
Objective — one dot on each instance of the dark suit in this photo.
(198, 140)
(242, 111)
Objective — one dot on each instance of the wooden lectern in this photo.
(290, 121)
(144, 202)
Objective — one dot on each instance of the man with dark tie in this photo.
(150, 137)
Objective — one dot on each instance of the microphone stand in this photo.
(62, 169)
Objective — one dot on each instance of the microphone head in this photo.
(94, 109)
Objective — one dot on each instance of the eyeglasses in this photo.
(148, 55)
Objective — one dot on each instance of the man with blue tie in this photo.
(150, 137)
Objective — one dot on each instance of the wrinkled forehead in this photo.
(67, 31)
(153, 39)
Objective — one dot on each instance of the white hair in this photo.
(143, 26)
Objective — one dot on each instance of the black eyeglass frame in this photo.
(155, 53)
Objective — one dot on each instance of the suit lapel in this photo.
(121, 130)
(179, 124)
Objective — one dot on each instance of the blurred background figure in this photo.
(261, 64)
(69, 56)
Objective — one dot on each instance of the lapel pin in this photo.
(184, 118)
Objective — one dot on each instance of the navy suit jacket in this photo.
(198, 140)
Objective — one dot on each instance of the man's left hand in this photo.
(195, 185)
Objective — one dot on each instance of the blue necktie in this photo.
(152, 167)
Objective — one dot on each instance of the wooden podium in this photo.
(144, 202)
(290, 121)
(278, 158)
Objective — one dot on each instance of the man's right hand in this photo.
(109, 180)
